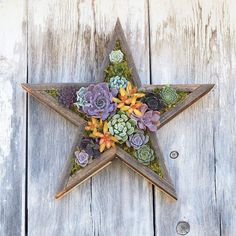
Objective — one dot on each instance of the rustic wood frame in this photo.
(165, 184)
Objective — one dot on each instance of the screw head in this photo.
(174, 154)
(182, 228)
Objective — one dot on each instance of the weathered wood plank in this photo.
(13, 66)
(190, 43)
(162, 183)
(67, 41)
(121, 198)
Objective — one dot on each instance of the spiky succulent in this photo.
(118, 82)
(169, 95)
(121, 126)
(67, 96)
(145, 155)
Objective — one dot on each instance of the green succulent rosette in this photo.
(145, 155)
(121, 126)
(169, 95)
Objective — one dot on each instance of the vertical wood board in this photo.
(13, 64)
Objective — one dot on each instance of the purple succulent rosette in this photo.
(148, 119)
(81, 158)
(137, 140)
(99, 101)
(90, 146)
(67, 96)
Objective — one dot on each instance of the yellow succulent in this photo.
(94, 125)
(106, 139)
(127, 99)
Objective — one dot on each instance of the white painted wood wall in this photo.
(184, 41)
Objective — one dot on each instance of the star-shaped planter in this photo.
(163, 182)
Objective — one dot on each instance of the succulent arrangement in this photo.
(117, 113)
(169, 95)
(145, 155)
(121, 126)
(118, 82)
(67, 96)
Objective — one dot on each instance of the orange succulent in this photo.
(94, 125)
(106, 139)
(127, 99)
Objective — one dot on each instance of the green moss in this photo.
(52, 92)
(119, 69)
(154, 165)
(81, 114)
(181, 96)
(75, 167)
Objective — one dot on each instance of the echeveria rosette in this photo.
(153, 101)
(67, 96)
(169, 95)
(145, 155)
(121, 126)
(99, 102)
(116, 56)
(81, 158)
(137, 139)
(80, 97)
(90, 146)
(148, 119)
(118, 82)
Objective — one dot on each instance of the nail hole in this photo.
(174, 154)
(182, 228)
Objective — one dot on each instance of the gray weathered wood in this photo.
(67, 41)
(52, 103)
(13, 66)
(194, 42)
(191, 42)
(165, 183)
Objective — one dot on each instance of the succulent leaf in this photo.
(169, 95)
(145, 155)
(122, 126)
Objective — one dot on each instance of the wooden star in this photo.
(195, 92)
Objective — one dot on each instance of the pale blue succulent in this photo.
(121, 126)
(80, 97)
(118, 82)
(116, 56)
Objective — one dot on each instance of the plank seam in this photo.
(149, 43)
(26, 120)
(150, 81)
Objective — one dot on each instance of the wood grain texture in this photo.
(51, 102)
(67, 41)
(13, 66)
(191, 42)
(165, 183)
(194, 42)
